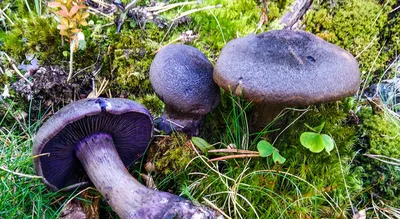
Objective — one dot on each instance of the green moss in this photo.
(379, 135)
(322, 170)
(128, 60)
(171, 154)
(382, 134)
(33, 35)
(267, 187)
(359, 26)
(233, 19)
(151, 102)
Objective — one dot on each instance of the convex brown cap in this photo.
(285, 67)
(128, 122)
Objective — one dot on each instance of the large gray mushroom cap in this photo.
(287, 68)
(182, 77)
(127, 122)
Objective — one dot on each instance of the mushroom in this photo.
(284, 68)
(93, 140)
(182, 77)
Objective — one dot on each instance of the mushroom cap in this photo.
(182, 77)
(129, 124)
(285, 67)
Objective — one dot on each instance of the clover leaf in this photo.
(329, 143)
(315, 141)
(266, 149)
(277, 157)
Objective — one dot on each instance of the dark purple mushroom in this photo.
(182, 77)
(93, 140)
(283, 68)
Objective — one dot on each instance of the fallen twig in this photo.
(16, 69)
(234, 156)
(233, 151)
(20, 174)
(295, 12)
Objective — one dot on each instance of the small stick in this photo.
(5, 15)
(208, 202)
(39, 155)
(233, 151)
(16, 69)
(169, 7)
(234, 156)
(196, 10)
(94, 11)
(20, 174)
(57, 200)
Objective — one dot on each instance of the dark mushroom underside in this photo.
(61, 168)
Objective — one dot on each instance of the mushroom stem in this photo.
(173, 120)
(126, 196)
(263, 114)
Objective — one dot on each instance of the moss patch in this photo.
(171, 154)
(323, 170)
(33, 35)
(359, 26)
(380, 136)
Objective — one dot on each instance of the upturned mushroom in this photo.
(92, 141)
(285, 68)
(182, 77)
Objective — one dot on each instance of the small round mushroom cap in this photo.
(182, 77)
(128, 122)
(285, 67)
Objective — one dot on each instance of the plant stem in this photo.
(71, 58)
(233, 151)
(234, 156)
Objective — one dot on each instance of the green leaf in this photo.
(319, 128)
(313, 141)
(277, 157)
(65, 53)
(329, 143)
(202, 144)
(133, 23)
(265, 148)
